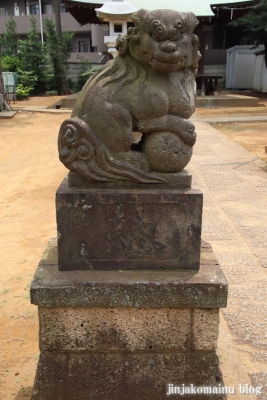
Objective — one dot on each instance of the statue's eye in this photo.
(179, 26)
(173, 34)
(159, 29)
(155, 24)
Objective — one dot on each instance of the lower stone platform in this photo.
(226, 101)
(127, 334)
(122, 376)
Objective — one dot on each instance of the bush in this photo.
(23, 92)
(10, 64)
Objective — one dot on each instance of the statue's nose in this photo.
(168, 47)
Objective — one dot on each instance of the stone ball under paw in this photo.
(166, 152)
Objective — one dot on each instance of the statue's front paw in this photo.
(141, 126)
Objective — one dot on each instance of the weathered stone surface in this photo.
(205, 328)
(148, 88)
(206, 288)
(128, 228)
(127, 329)
(115, 329)
(50, 377)
(129, 334)
(131, 376)
(180, 180)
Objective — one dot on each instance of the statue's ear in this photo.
(191, 22)
(139, 17)
(122, 45)
(196, 56)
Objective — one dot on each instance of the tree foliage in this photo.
(255, 25)
(58, 53)
(10, 64)
(33, 58)
(40, 67)
(27, 78)
(9, 40)
(9, 43)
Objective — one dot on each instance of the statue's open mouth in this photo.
(163, 65)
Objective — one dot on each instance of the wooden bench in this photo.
(209, 83)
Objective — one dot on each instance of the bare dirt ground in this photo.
(252, 136)
(29, 176)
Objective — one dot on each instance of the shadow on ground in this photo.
(24, 394)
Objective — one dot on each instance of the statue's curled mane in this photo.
(122, 70)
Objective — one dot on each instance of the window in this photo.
(34, 9)
(118, 28)
(2, 12)
(83, 46)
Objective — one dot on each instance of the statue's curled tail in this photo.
(80, 150)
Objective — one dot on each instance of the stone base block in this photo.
(130, 334)
(129, 228)
(128, 329)
(125, 376)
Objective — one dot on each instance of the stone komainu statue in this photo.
(148, 88)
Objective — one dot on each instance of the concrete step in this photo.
(227, 100)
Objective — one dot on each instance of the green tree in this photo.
(255, 25)
(86, 71)
(9, 40)
(59, 54)
(33, 57)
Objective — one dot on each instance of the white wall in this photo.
(240, 67)
(260, 78)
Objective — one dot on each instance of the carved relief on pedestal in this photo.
(130, 232)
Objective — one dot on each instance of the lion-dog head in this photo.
(162, 39)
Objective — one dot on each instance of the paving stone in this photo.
(259, 379)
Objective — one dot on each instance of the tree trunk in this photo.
(56, 3)
(2, 91)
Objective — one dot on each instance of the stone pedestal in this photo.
(117, 335)
(130, 227)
